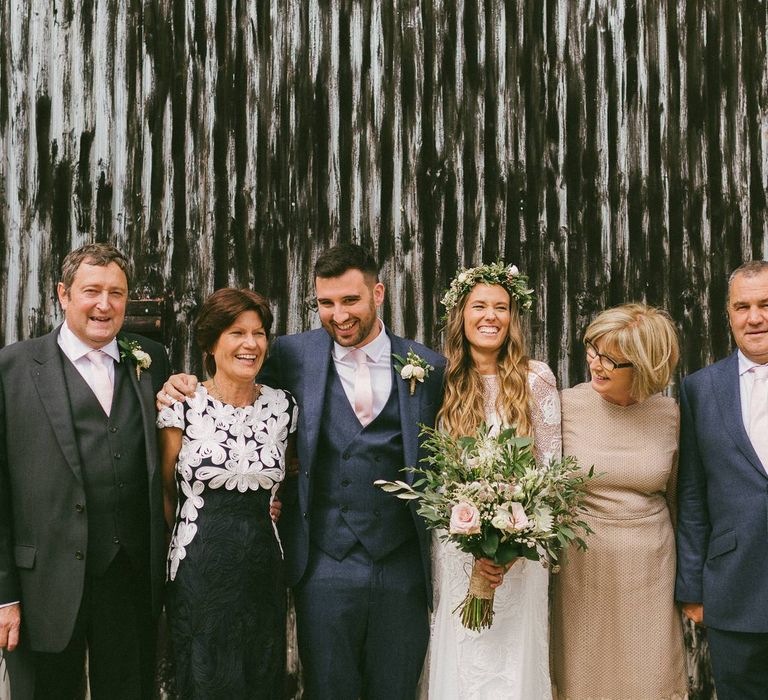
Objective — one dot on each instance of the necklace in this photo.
(218, 394)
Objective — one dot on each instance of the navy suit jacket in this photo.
(300, 364)
(722, 534)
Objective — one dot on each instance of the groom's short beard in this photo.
(364, 328)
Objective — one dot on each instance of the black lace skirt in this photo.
(226, 605)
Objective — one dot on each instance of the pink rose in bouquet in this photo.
(465, 519)
(519, 518)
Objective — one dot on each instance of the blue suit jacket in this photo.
(300, 364)
(722, 534)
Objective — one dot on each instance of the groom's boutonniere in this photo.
(412, 368)
(131, 350)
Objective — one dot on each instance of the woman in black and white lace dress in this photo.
(224, 451)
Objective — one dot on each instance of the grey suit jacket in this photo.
(43, 511)
(722, 537)
(300, 364)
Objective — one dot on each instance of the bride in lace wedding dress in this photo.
(489, 379)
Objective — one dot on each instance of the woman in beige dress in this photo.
(616, 632)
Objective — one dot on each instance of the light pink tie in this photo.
(758, 414)
(102, 384)
(363, 390)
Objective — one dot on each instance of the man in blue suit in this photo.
(722, 565)
(357, 559)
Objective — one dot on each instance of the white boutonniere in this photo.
(412, 368)
(131, 350)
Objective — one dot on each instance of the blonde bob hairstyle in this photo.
(463, 408)
(646, 337)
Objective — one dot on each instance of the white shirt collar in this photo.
(74, 348)
(374, 350)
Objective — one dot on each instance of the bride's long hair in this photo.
(463, 411)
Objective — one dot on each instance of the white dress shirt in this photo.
(379, 354)
(76, 350)
(746, 381)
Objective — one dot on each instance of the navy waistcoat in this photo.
(346, 507)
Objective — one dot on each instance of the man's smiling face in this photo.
(94, 305)
(347, 306)
(748, 314)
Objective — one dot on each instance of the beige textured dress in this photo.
(616, 632)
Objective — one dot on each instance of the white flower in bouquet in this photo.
(543, 520)
(407, 371)
(502, 520)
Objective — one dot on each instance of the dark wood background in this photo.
(614, 150)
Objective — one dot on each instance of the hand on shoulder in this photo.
(176, 388)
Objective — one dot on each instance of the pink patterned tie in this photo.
(363, 390)
(102, 384)
(758, 414)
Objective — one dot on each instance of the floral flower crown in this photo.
(508, 276)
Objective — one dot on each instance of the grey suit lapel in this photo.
(409, 408)
(317, 359)
(728, 395)
(48, 378)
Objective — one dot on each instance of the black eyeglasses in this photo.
(606, 362)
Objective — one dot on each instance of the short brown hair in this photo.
(219, 312)
(645, 336)
(101, 254)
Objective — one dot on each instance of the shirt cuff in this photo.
(5, 605)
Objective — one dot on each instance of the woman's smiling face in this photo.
(613, 385)
(241, 349)
(486, 317)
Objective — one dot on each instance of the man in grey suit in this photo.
(722, 563)
(82, 541)
(357, 558)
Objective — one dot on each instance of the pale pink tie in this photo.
(363, 390)
(102, 384)
(758, 414)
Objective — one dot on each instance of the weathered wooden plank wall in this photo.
(613, 150)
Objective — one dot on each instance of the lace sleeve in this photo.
(545, 413)
(172, 416)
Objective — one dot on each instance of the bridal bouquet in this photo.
(495, 502)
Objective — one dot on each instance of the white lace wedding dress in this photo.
(509, 661)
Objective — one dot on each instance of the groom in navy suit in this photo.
(722, 568)
(357, 558)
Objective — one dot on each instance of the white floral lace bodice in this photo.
(238, 449)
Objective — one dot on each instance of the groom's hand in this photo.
(10, 623)
(175, 389)
(694, 612)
